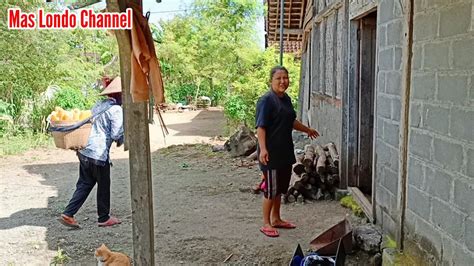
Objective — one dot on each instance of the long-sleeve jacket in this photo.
(106, 128)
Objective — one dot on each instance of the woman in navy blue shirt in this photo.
(275, 121)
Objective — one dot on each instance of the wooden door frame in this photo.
(350, 127)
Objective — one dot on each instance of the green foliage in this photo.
(60, 258)
(7, 111)
(350, 203)
(256, 82)
(6, 108)
(32, 60)
(69, 98)
(235, 107)
(208, 48)
(21, 142)
(214, 51)
(389, 242)
(177, 93)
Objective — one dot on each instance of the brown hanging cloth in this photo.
(146, 73)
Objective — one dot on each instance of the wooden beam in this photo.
(277, 17)
(344, 97)
(363, 202)
(139, 154)
(334, 55)
(289, 18)
(292, 31)
(352, 103)
(407, 55)
(326, 12)
(308, 18)
(303, 5)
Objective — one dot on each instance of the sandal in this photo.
(68, 221)
(285, 225)
(269, 232)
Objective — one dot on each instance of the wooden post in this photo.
(345, 130)
(407, 54)
(137, 132)
(282, 14)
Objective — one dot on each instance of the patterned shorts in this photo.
(276, 181)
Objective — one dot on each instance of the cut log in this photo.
(299, 157)
(333, 179)
(327, 195)
(305, 178)
(298, 168)
(290, 190)
(308, 155)
(333, 152)
(307, 193)
(321, 163)
(319, 195)
(315, 161)
(296, 193)
(295, 179)
(252, 156)
(299, 186)
(331, 168)
(300, 199)
(290, 198)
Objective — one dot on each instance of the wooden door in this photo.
(367, 55)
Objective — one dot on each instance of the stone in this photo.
(367, 238)
(241, 143)
(217, 148)
(300, 199)
(376, 260)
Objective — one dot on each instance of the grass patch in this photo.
(350, 203)
(389, 242)
(60, 258)
(12, 145)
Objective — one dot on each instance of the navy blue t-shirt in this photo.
(276, 115)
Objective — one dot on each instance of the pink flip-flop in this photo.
(269, 232)
(285, 225)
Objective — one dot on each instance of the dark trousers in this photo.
(90, 174)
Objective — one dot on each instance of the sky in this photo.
(167, 9)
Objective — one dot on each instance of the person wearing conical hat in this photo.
(94, 160)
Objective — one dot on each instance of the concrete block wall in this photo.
(326, 64)
(326, 117)
(390, 40)
(440, 211)
(358, 8)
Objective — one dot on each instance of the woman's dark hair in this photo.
(275, 69)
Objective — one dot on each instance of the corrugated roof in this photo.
(292, 24)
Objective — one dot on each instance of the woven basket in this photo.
(73, 140)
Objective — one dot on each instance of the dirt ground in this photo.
(202, 207)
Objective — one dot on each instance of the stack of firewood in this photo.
(315, 174)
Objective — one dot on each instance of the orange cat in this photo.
(106, 257)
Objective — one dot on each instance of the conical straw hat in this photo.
(114, 87)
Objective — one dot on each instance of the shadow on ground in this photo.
(201, 215)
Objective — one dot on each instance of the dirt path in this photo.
(201, 216)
